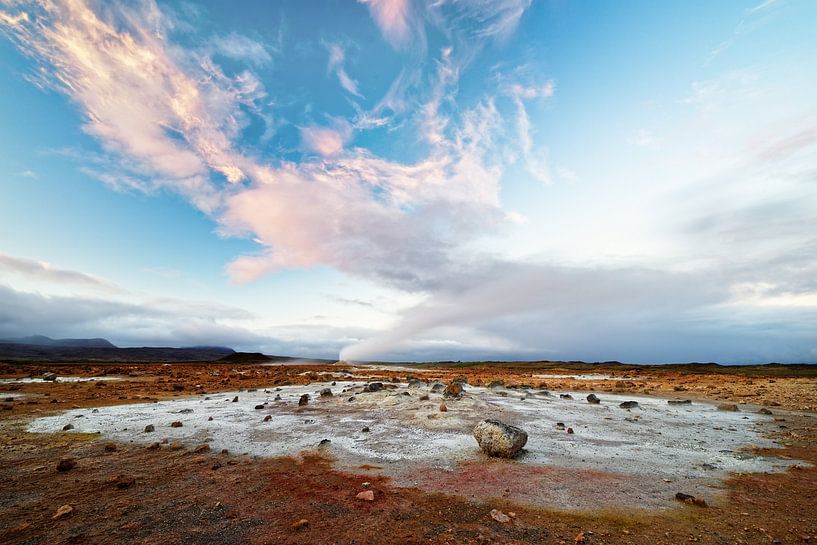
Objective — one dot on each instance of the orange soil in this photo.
(181, 496)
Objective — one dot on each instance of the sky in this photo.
(405, 180)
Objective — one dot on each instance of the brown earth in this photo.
(122, 493)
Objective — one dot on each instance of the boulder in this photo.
(326, 392)
(303, 400)
(373, 387)
(498, 439)
(150, 428)
(437, 387)
(628, 404)
(593, 399)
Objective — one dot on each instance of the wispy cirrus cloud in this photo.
(337, 59)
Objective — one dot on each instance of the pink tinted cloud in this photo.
(392, 17)
(324, 141)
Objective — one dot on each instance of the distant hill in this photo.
(40, 348)
(258, 357)
(42, 340)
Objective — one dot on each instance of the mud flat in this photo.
(645, 454)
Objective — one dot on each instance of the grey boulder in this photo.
(498, 439)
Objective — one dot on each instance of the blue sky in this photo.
(413, 180)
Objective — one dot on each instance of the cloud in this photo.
(642, 138)
(337, 58)
(238, 47)
(394, 18)
(536, 163)
(325, 141)
(41, 270)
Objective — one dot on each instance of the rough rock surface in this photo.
(453, 390)
(498, 439)
(593, 399)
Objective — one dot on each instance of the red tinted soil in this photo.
(180, 496)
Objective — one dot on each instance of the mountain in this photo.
(46, 349)
(42, 340)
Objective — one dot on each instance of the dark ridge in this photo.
(20, 352)
(246, 357)
(42, 340)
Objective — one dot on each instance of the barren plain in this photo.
(233, 457)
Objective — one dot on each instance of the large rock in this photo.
(498, 439)
(593, 399)
(373, 387)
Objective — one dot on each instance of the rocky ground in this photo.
(177, 493)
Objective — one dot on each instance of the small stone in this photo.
(304, 400)
(424, 397)
(277, 397)
(499, 516)
(437, 387)
(679, 401)
(209, 418)
(560, 425)
(325, 441)
(110, 447)
(365, 429)
(326, 392)
(580, 538)
(690, 499)
(235, 399)
(366, 495)
(176, 424)
(373, 387)
(628, 404)
(300, 525)
(728, 407)
(569, 430)
(443, 408)
(176, 446)
(593, 399)
(64, 510)
(453, 390)
(150, 428)
(765, 411)
(259, 407)
(66, 464)
(267, 418)
(565, 396)
(123, 482)
(68, 427)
